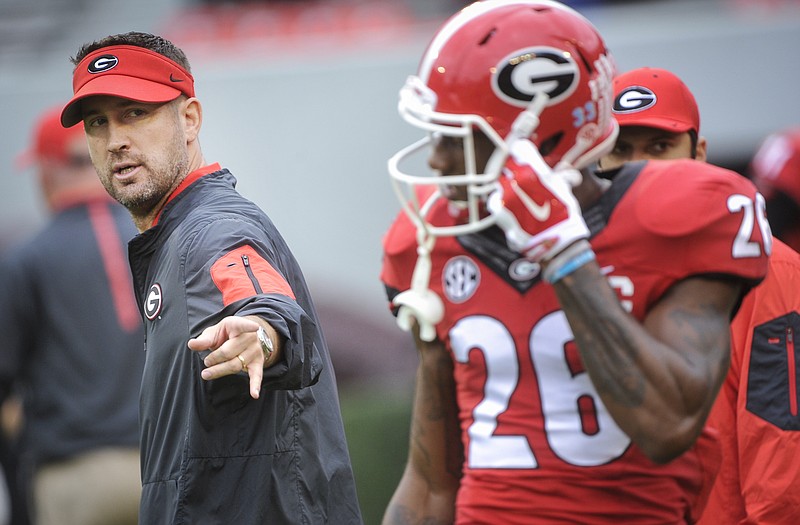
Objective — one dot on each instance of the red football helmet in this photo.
(511, 69)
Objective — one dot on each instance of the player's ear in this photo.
(702, 149)
(191, 113)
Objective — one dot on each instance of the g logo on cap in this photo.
(103, 63)
(634, 98)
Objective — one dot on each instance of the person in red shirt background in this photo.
(756, 410)
(658, 119)
(72, 344)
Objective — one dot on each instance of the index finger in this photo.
(256, 374)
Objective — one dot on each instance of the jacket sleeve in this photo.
(301, 362)
(231, 267)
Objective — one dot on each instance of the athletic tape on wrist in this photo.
(568, 261)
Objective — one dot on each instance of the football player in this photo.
(759, 479)
(658, 119)
(573, 332)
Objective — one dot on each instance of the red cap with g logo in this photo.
(655, 98)
(125, 71)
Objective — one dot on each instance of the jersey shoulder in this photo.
(400, 243)
(402, 233)
(676, 198)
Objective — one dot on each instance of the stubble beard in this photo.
(142, 197)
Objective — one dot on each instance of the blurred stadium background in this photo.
(299, 100)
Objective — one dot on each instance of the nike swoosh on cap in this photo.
(174, 79)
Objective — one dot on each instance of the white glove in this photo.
(534, 205)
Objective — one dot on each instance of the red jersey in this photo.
(756, 412)
(539, 445)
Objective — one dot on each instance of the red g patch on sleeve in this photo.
(243, 273)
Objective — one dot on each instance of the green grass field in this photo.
(377, 424)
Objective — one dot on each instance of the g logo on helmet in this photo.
(634, 98)
(103, 63)
(526, 72)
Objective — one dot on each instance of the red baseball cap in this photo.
(50, 139)
(655, 98)
(131, 72)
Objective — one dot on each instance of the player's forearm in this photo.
(435, 448)
(659, 397)
(426, 493)
(413, 504)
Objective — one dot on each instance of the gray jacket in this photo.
(211, 453)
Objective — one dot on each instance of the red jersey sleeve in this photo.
(400, 244)
(399, 254)
(687, 218)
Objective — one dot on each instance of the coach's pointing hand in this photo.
(236, 347)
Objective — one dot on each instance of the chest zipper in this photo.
(250, 274)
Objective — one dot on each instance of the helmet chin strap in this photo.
(420, 303)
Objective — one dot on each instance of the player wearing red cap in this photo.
(775, 168)
(657, 116)
(756, 411)
(573, 331)
(240, 419)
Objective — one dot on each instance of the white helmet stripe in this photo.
(466, 15)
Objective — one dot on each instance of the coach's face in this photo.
(140, 150)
